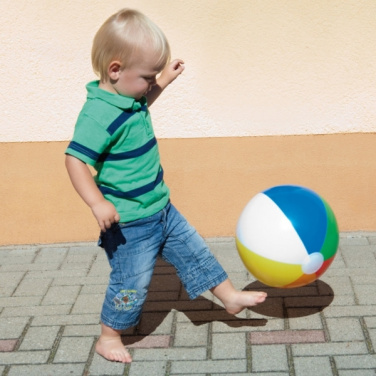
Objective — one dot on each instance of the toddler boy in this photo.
(128, 196)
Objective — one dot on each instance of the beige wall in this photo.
(274, 92)
(253, 67)
(219, 176)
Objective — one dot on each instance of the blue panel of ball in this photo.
(306, 211)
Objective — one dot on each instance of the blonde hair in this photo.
(124, 36)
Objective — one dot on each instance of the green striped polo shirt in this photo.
(114, 134)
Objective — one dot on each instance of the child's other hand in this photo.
(105, 214)
(172, 70)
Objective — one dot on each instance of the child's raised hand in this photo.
(105, 214)
(172, 70)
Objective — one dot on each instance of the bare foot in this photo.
(244, 299)
(109, 346)
(235, 301)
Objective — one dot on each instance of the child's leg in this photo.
(198, 269)
(132, 251)
(235, 301)
(110, 346)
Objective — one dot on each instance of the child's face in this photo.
(136, 81)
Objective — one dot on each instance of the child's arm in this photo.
(169, 74)
(83, 182)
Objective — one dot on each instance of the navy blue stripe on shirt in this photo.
(129, 154)
(134, 192)
(121, 119)
(83, 150)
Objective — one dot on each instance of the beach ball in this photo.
(287, 236)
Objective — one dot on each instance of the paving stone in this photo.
(32, 287)
(246, 325)
(352, 240)
(80, 281)
(39, 338)
(251, 373)
(300, 319)
(312, 366)
(322, 349)
(148, 368)
(287, 337)
(370, 322)
(7, 345)
(269, 358)
(349, 311)
(36, 311)
(51, 320)
(353, 372)
(101, 366)
(35, 270)
(229, 346)
(48, 255)
(208, 366)
(10, 280)
(73, 350)
(75, 266)
(141, 342)
(24, 357)
(359, 256)
(54, 273)
(372, 334)
(12, 327)
(82, 330)
(61, 295)
(94, 289)
(190, 335)
(47, 370)
(365, 294)
(179, 354)
(356, 362)
(156, 323)
(20, 301)
(88, 303)
(17, 257)
(345, 329)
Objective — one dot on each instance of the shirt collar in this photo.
(117, 100)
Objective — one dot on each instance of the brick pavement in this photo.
(50, 298)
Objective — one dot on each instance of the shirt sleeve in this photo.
(90, 140)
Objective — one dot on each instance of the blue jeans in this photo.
(132, 249)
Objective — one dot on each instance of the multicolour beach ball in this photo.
(287, 236)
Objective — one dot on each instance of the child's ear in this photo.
(114, 70)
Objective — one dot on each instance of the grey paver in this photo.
(269, 358)
(24, 357)
(313, 366)
(12, 327)
(74, 349)
(208, 366)
(39, 338)
(345, 329)
(61, 295)
(32, 287)
(148, 368)
(88, 303)
(229, 346)
(47, 369)
(101, 366)
(186, 335)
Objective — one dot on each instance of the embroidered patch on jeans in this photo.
(125, 300)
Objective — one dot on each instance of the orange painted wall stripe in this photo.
(211, 180)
